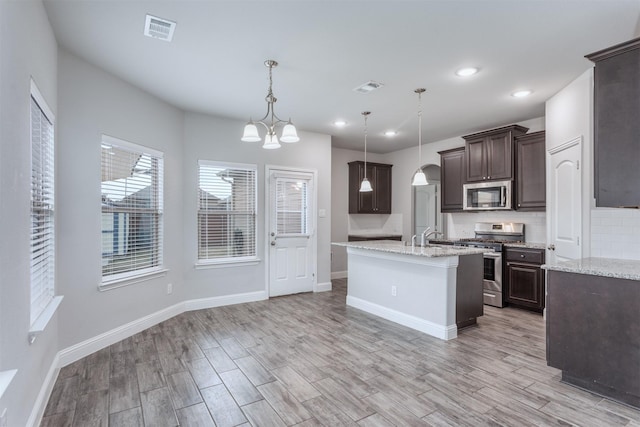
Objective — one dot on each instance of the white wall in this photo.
(569, 115)
(607, 232)
(340, 201)
(27, 48)
(91, 103)
(405, 163)
(211, 138)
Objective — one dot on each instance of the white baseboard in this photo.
(87, 347)
(322, 287)
(433, 329)
(199, 304)
(339, 274)
(78, 351)
(37, 411)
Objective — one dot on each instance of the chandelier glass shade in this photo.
(270, 121)
(419, 178)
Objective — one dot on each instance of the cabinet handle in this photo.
(521, 256)
(484, 177)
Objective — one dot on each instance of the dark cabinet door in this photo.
(489, 154)
(616, 125)
(452, 172)
(524, 279)
(531, 172)
(525, 285)
(476, 163)
(382, 194)
(499, 156)
(376, 201)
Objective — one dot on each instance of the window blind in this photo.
(42, 210)
(291, 207)
(131, 187)
(226, 211)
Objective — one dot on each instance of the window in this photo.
(226, 212)
(292, 211)
(131, 210)
(42, 205)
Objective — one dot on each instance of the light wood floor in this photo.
(309, 360)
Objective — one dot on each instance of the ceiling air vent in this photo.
(369, 86)
(159, 28)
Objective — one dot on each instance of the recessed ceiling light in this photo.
(390, 133)
(521, 93)
(340, 123)
(466, 72)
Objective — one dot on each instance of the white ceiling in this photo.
(326, 48)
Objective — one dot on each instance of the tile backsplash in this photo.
(615, 233)
(368, 223)
(461, 225)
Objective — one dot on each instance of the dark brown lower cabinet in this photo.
(524, 278)
(593, 333)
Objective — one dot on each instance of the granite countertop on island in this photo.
(396, 247)
(605, 267)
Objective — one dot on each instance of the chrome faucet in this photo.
(434, 233)
(422, 236)
(413, 241)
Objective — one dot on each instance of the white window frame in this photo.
(228, 261)
(41, 314)
(118, 280)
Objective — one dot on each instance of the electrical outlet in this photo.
(3, 418)
(169, 291)
(394, 291)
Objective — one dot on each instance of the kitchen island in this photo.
(434, 289)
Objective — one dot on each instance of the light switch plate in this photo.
(322, 213)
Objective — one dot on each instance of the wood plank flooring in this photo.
(309, 360)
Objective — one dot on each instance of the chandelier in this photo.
(289, 133)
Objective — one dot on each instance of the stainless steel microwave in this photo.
(487, 196)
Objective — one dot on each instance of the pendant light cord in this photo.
(420, 129)
(365, 146)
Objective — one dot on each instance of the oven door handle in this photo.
(495, 255)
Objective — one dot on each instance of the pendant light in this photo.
(366, 185)
(419, 178)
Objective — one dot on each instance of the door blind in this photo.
(42, 211)
(291, 207)
(226, 211)
(131, 209)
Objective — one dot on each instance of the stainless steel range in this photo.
(492, 237)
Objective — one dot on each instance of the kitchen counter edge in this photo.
(395, 247)
(605, 267)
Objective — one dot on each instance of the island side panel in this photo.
(593, 334)
(425, 289)
(469, 298)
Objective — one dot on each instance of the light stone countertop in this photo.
(395, 247)
(606, 267)
(527, 245)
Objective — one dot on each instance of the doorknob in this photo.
(552, 247)
(273, 234)
(273, 243)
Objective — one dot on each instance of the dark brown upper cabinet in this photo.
(452, 175)
(617, 125)
(489, 154)
(531, 179)
(377, 201)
